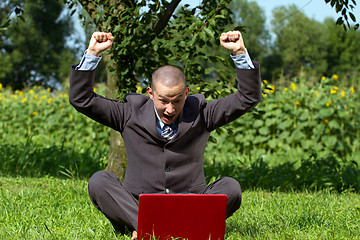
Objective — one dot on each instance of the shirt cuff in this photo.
(243, 61)
(88, 62)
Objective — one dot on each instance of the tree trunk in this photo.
(117, 159)
(117, 154)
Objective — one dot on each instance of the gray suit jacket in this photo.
(155, 165)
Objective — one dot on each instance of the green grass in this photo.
(54, 208)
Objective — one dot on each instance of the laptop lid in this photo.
(182, 216)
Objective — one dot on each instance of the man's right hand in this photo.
(99, 42)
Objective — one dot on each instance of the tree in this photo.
(343, 53)
(145, 39)
(300, 42)
(33, 50)
(346, 8)
(249, 14)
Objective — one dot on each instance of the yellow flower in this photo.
(286, 89)
(43, 96)
(352, 89)
(342, 94)
(276, 106)
(34, 113)
(282, 101)
(23, 100)
(35, 97)
(326, 121)
(50, 99)
(297, 102)
(333, 91)
(31, 92)
(335, 77)
(323, 78)
(265, 82)
(336, 88)
(198, 88)
(70, 116)
(14, 96)
(95, 89)
(138, 89)
(0, 86)
(271, 90)
(21, 93)
(328, 103)
(219, 92)
(316, 92)
(293, 86)
(48, 89)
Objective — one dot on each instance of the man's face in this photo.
(168, 101)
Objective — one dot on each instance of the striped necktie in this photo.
(168, 133)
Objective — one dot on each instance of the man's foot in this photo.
(134, 235)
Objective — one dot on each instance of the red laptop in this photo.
(181, 216)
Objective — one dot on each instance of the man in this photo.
(165, 133)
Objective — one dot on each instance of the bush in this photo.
(47, 119)
(323, 118)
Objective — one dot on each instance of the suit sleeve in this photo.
(105, 111)
(222, 111)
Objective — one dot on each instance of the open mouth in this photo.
(168, 118)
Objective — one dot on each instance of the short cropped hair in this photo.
(168, 75)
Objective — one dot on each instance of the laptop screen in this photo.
(182, 216)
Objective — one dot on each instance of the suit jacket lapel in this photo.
(186, 120)
(148, 119)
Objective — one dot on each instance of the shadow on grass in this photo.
(59, 161)
(313, 173)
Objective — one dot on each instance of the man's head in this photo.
(168, 91)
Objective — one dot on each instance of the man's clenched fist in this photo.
(99, 42)
(233, 41)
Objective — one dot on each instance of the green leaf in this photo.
(264, 131)
(209, 32)
(273, 143)
(352, 17)
(258, 123)
(334, 124)
(329, 141)
(304, 116)
(203, 36)
(326, 112)
(285, 124)
(297, 135)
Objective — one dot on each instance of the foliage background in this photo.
(307, 120)
(298, 137)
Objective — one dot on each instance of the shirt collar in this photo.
(161, 124)
(158, 120)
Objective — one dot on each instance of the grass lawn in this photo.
(52, 208)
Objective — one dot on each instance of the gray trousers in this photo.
(121, 207)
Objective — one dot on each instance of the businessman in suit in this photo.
(165, 133)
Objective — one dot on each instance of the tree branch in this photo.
(164, 19)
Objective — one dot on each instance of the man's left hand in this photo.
(233, 41)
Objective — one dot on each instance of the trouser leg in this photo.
(109, 196)
(231, 188)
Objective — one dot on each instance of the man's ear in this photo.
(150, 92)
(187, 92)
